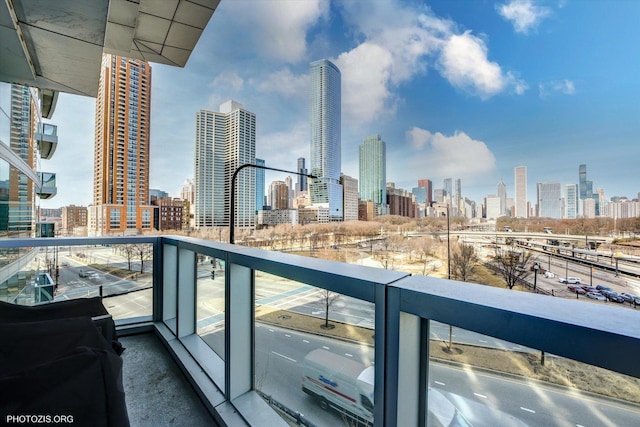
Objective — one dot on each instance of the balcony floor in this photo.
(157, 392)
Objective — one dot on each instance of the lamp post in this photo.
(536, 267)
(232, 207)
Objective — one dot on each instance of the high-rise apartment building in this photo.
(121, 157)
(571, 201)
(448, 188)
(582, 181)
(549, 200)
(373, 172)
(325, 108)
(260, 202)
(301, 184)
(428, 185)
(520, 193)
(225, 140)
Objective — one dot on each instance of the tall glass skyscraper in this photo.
(260, 185)
(571, 201)
(373, 171)
(549, 200)
(301, 185)
(325, 109)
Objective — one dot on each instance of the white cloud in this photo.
(457, 155)
(465, 64)
(397, 43)
(274, 30)
(285, 83)
(565, 87)
(283, 148)
(365, 73)
(523, 14)
(228, 80)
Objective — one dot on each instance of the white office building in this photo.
(225, 140)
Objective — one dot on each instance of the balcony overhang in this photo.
(48, 187)
(47, 137)
(58, 45)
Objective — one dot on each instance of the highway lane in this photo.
(279, 353)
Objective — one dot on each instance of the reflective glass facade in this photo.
(325, 109)
(373, 171)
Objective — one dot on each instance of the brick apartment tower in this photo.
(121, 159)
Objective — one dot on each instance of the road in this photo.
(279, 355)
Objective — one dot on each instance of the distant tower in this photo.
(301, 184)
(260, 185)
(428, 184)
(502, 194)
(549, 200)
(326, 190)
(448, 187)
(520, 193)
(373, 171)
(571, 201)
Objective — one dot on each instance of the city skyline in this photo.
(551, 111)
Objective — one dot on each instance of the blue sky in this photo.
(461, 89)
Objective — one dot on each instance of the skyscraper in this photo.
(325, 108)
(301, 184)
(121, 160)
(260, 185)
(225, 140)
(448, 188)
(373, 171)
(582, 181)
(502, 194)
(520, 192)
(549, 200)
(571, 201)
(426, 183)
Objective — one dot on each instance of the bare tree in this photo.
(463, 261)
(144, 252)
(326, 301)
(514, 264)
(129, 252)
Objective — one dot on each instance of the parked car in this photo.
(576, 289)
(612, 296)
(549, 275)
(570, 280)
(629, 297)
(83, 273)
(596, 295)
(64, 264)
(603, 288)
(590, 289)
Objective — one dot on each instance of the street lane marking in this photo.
(325, 347)
(347, 354)
(480, 395)
(528, 410)
(484, 342)
(287, 335)
(271, 330)
(579, 425)
(307, 341)
(439, 383)
(284, 357)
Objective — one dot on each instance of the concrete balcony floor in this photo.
(157, 393)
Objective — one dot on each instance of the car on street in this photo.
(596, 295)
(576, 289)
(64, 264)
(570, 280)
(549, 275)
(590, 289)
(83, 273)
(603, 288)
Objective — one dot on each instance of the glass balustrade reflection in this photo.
(314, 351)
(210, 305)
(486, 381)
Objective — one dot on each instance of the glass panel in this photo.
(314, 351)
(170, 286)
(210, 302)
(487, 381)
(123, 274)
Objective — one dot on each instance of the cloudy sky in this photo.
(461, 89)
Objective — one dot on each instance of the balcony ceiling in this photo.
(58, 45)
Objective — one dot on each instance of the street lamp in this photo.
(536, 267)
(232, 207)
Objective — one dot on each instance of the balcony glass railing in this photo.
(250, 329)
